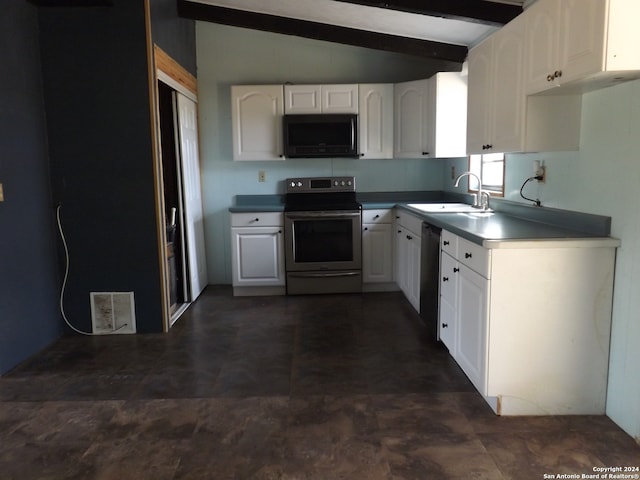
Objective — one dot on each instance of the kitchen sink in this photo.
(447, 208)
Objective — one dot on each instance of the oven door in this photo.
(323, 241)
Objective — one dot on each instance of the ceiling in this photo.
(435, 29)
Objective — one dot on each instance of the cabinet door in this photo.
(447, 326)
(411, 114)
(256, 116)
(401, 259)
(581, 38)
(377, 253)
(376, 120)
(508, 98)
(340, 98)
(302, 99)
(479, 97)
(541, 42)
(257, 256)
(448, 297)
(413, 269)
(471, 328)
(447, 120)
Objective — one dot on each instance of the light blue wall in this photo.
(234, 56)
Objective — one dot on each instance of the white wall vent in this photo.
(113, 312)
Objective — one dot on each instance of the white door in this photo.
(193, 219)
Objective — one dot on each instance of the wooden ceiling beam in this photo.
(476, 11)
(321, 31)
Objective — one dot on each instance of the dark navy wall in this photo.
(29, 275)
(175, 35)
(94, 63)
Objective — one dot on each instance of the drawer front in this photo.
(257, 219)
(383, 215)
(474, 256)
(449, 243)
(448, 278)
(408, 221)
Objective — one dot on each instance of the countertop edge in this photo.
(599, 242)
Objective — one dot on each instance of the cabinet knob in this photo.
(456, 269)
(425, 153)
(488, 146)
(557, 74)
(445, 325)
(377, 216)
(257, 219)
(550, 78)
(399, 231)
(279, 231)
(366, 228)
(445, 279)
(446, 242)
(409, 237)
(467, 255)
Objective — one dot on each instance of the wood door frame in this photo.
(167, 70)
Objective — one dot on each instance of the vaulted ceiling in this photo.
(435, 29)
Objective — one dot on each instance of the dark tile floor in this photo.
(289, 388)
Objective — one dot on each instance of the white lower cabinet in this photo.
(407, 256)
(377, 251)
(529, 322)
(257, 252)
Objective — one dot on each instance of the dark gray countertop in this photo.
(510, 221)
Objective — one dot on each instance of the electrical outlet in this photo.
(262, 176)
(542, 172)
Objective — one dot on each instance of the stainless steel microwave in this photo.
(320, 135)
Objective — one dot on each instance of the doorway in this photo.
(185, 250)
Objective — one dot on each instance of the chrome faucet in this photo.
(481, 199)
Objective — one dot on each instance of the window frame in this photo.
(490, 189)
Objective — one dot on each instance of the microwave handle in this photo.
(353, 132)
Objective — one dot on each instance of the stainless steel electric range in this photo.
(323, 235)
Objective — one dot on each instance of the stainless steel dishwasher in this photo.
(430, 276)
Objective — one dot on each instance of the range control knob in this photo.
(349, 182)
(293, 184)
(299, 184)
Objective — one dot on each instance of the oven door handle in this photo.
(305, 215)
(323, 274)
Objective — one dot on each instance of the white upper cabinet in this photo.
(430, 117)
(411, 112)
(256, 118)
(447, 121)
(581, 44)
(376, 120)
(496, 100)
(340, 98)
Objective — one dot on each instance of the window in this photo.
(490, 169)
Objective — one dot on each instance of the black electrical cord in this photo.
(536, 202)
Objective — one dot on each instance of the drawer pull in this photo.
(467, 255)
(445, 325)
(445, 279)
(446, 242)
(409, 237)
(456, 269)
